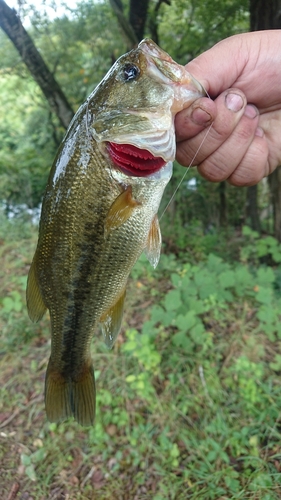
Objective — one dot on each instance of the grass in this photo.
(188, 400)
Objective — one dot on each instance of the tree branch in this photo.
(126, 27)
(137, 16)
(153, 24)
(12, 26)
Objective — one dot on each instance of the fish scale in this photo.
(96, 219)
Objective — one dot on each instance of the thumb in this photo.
(220, 67)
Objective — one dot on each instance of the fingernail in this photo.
(251, 111)
(259, 132)
(201, 116)
(234, 102)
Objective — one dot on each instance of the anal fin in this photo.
(154, 240)
(120, 210)
(35, 304)
(111, 321)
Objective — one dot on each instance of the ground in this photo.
(188, 400)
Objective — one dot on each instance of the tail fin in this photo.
(66, 397)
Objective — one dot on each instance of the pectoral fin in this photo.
(111, 321)
(121, 209)
(154, 240)
(35, 304)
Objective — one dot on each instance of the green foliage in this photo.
(143, 349)
(12, 303)
(27, 146)
(198, 25)
(188, 401)
(259, 249)
(193, 216)
(95, 42)
(79, 47)
(30, 461)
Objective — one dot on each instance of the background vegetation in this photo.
(189, 398)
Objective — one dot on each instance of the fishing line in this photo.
(183, 177)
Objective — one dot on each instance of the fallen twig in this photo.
(14, 491)
(20, 410)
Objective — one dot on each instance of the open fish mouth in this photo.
(134, 161)
(136, 130)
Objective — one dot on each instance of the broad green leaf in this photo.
(262, 248)
(157, 313)
(276, 255)
(30, 472)
(247, 231)
(265, 276)
(25, 459)
(264, 295)
(8, 304)
(187, 321)
(227, 279)
(173, 300)
(39, 455)
(181, 339)
(197, 333)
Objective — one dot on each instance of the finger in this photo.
(219, 67)
(234, 62)
(220, 165)
(254, 165)
(195, 118)
(230, 107)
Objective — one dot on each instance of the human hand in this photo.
(244, 143)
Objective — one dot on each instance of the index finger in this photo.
(195, 118)
(230, 105)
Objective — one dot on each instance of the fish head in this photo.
(131, 113)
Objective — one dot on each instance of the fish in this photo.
(99, 213)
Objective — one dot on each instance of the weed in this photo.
(188, 401)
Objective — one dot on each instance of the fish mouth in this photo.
(137, 132)
(162, 68)
(134, 161)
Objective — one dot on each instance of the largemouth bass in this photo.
(100, 212)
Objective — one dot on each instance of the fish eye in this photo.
(130, 72)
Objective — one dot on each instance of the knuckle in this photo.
(245, 131)
(213, 171)
(248, 172)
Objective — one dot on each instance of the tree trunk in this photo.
(124, 24)
(252, 208)
(274, 181)
(223, 204)
(133, 28)
(137, 16)
(265, 16)
(11, 24)
(153, 21)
